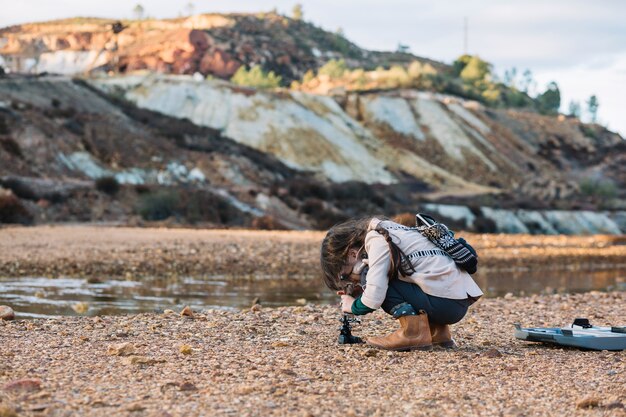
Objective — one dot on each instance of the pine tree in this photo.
(592, 108)
(574, 109)
(138, 11)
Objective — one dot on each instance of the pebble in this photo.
(187, 312)
(6, 411)
(23, 385)
(6, 313)
(187, 386)
(493, 353)
(121, 349)
(141, 360)
(80, 308)
(589, 402)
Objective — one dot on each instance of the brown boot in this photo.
(441, 336)
(413, 334)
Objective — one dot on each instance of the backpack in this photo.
(459, 250)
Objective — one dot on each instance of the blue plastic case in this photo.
(581, 334)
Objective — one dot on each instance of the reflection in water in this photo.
(499, 283)
(43, 297)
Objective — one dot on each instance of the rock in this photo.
(493, 353)
(135, 407)
(38, 407)
(187, 386)
(121, 349)
(589, 402)
(187, 312)
(6, 411)
(81, 308)
(186, 350)
(369, 352)
(6, 313)
(141, 360)
(23, 385)
(168, 311)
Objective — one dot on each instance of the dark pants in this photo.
(439, 310)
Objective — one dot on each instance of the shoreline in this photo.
(123, 252)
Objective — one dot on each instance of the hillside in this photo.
(452, 145)
(122, 145)
(211, 44)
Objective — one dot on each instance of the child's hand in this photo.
(346, 303)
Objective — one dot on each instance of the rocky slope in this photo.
(126, 145)
(453, 145)
(209, 44)
(295, 160)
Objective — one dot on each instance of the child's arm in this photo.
(379, 261)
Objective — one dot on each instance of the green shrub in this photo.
(158, 205)
(589, 131)
(256, 77)
(333, 68)
(308, 187)
(108, 185)
(189, 205)
(204, 206)
(603, 188)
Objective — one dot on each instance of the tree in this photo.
(550, 100)
(574, 109)
(527, 81)
(510, 77)
(138, 11)
(459, 64)
(475, 70)
(190, 8)
(592, 108)
(296, 12)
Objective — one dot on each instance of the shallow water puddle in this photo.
(44, 297)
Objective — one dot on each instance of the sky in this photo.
(580, 44)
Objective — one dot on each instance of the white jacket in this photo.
(435, 272)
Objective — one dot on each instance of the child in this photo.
(405, 274)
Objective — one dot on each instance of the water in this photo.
(45, 297)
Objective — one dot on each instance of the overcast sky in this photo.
(580, 44)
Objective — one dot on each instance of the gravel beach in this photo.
(122, 252)
(286, 362)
